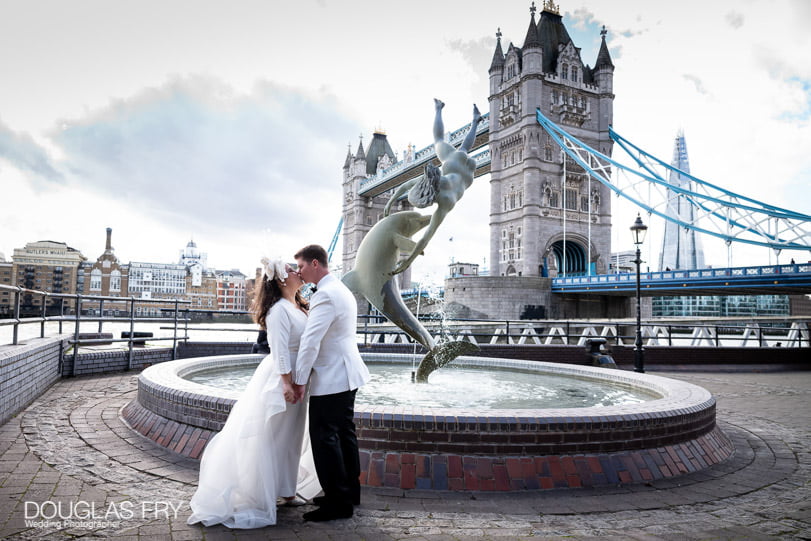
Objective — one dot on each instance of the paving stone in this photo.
(71, 443)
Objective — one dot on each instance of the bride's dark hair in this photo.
(268, 293)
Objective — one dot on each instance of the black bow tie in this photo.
(313, 290)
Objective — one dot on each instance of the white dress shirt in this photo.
(328, 354)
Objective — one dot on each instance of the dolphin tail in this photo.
(442, 355)
(350, 279)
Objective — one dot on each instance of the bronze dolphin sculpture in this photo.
(372, 278)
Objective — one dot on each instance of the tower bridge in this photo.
(547, 143)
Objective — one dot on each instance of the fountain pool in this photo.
(636, 427)
(461, 387)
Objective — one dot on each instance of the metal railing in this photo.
(98, 301)
(755, 332)
(759, 332)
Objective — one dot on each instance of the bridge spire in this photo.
(603, 57)
(361, 154)
(498, 55)
(348, 160)
(532, 40)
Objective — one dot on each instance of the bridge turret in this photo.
(359, 161)
(362, 212)
(496, 69)
(603, 74)
(347, 161)
(532, 54)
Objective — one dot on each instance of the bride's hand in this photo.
(289, 393)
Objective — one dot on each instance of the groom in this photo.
(328, 357)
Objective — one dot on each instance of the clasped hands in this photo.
(293, 393)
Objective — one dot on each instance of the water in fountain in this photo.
(462, 387)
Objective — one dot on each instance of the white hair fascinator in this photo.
(274, 269)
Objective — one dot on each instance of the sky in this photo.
(228, 122)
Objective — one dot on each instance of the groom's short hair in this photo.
(313, 251)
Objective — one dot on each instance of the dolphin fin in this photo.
(404, 243)
(350, 279)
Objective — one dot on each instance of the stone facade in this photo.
(531, 204)
(544, 214)
(507, 297)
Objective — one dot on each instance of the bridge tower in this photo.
(360, 212)
(538, 221)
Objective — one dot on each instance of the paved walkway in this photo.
(70, 452)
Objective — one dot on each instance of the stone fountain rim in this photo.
(677, 397)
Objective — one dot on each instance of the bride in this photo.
(262, 455)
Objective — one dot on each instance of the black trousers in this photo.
(335, 447)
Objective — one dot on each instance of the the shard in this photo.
(681, 247)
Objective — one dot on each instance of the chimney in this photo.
(109, 237)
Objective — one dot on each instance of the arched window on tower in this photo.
(564, 71)
(574, 74)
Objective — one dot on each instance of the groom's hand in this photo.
(299, 392)
(290, 394)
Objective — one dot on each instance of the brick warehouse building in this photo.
(46, 265)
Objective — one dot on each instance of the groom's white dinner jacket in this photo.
(329, 344)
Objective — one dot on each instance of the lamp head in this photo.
(638, 230)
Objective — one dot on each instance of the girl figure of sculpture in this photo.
(443, 186)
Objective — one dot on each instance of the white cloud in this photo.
(21, 152)
(215, 160)
(735, 19)
(194, 157)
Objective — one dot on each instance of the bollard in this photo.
(598, 358)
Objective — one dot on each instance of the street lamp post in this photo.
(638, 231)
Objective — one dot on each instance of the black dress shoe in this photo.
(327, 513)
(322, 500)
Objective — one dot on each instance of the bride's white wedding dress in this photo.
(263, 451)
